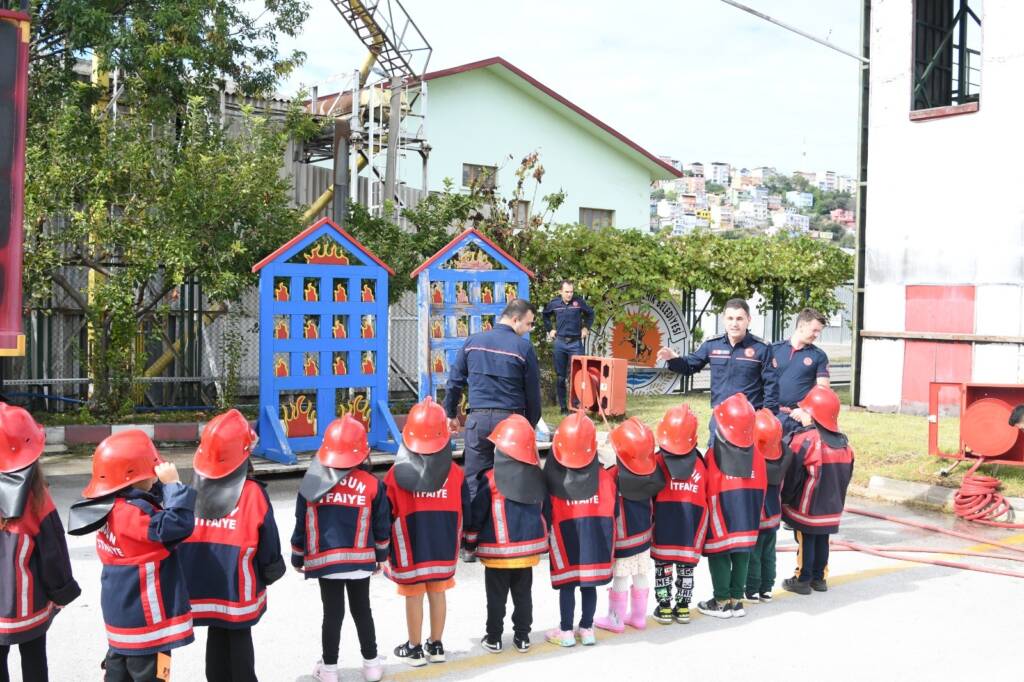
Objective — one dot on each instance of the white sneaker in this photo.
(373, 670)
(322, 674)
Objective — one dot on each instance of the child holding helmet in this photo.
(234, 553)
(140, 525)
(33, 549)
(638, 479)
(761, 570)
(507, 530)
(581, 508)
(342, 533)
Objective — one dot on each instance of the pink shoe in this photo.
(373, 670)
(322, 674)
(564, 638)
(637, 617)
(615, 620)
(587, 636)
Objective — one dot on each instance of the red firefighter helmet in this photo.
(768, 434)
(344, 445)
(575, 442)
(823, 406)
(225, 444)
(515, 437)
(735, 419)
(121, 459)
(634, 446)
(677, 430)
(21, 438)
(426, 428)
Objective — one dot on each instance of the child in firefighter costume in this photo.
(680, 514)
(429, 506)
(580, 509)
(35, 579)
(234, 551)
(140, 525)
(507, 530)
(639, 479)
(761, 570)
(735, 487)
(342, 533)
(814, 491)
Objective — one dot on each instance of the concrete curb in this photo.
(91, 434)
(922, 494)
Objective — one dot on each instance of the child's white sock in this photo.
(331, 668)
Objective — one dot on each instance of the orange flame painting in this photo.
(340, 293)
(280, 368)
(326, 254)
(340, 368)
(281, 329)
(486, 295)
(439, 367)
(486, 325)
(299, 418)
(312, 330)
(339, 330)
(460, 293)
(312, 295)
(281, 292)
(461, 328)
(511, 292)
(437, 330)
(359, 408)
(311, 367)
(366, 331)
(369, 366)
(367, 294)
(436, 293)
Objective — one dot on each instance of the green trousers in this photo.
(761, 573)
(728, 574)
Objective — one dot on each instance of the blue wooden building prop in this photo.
(323, 342)
(461, 290)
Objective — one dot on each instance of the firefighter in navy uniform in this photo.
(761, 570)
(429, 512)
(639, 479)
(581, 508)
(567, 322)
(342, 534)
(33, 549)
(508, 531)
(814, 491)
(499, 368)
(740, 362)
(140, 525)
(736, 487)
(680, 514)
(234, 551)
(799, 366)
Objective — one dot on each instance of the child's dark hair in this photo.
(37, 495)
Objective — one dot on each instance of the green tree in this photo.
(715, 188)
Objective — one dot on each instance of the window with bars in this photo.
(482, 177)
(596, 218)
(947, 53)
(521, 213)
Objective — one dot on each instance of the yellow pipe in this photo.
(318, 205)
(164, 361)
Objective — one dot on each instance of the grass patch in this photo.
(892, 445)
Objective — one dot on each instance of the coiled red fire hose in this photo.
(980, 501)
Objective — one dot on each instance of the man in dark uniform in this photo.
(500, 368)
(572, 320)
(799, 366)
(740, 362)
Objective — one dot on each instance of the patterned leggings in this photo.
(663, 583)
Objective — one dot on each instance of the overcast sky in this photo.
(694, 79)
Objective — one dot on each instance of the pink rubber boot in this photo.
(615, 621)
(637, 617)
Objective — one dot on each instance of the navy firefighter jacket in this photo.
(744, 368)
(501, 528)
(35, 572)
(229, 562)
(348, 529)
(143, 594)
(500, 369)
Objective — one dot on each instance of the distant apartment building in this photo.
(800, 199)
(688, 202)
(696, 168)
(675, 163)
(719, 173)
(722, 217)
(797, 221)
(774, 201)
(827, 181)
(739, 179)
(844, 183)
(691, 184)
(763, 173)
(812, 178)
(843, 217)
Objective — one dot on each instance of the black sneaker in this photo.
(753, 596)
(521, 643)
(492, 645)
(819, 585)
(714, 609)
(737, 610)
(468, 557)
(435, 651)
(766, 597)
(682, 613)
(794, 585)
(412, 655)
(663, 614)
